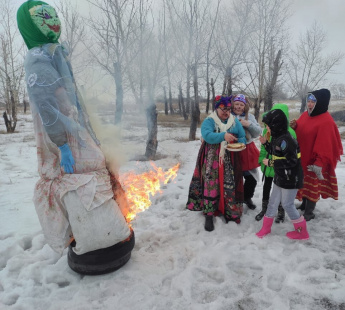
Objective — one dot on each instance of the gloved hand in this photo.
(67, 160)
(317, 170)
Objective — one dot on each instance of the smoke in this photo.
(109, 136)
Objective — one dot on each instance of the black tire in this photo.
(102, 261)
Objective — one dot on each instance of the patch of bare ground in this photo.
(173, 120)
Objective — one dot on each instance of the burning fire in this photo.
(140, 187)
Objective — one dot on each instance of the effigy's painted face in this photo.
(46, 19)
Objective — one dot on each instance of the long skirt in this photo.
(250, 157)
(217, 189)
(313, 188)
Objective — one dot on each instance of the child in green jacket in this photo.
(268, 172)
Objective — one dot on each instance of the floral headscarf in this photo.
(222, 101)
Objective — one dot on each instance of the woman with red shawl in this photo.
(321, 148)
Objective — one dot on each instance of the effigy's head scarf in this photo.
(38, 23)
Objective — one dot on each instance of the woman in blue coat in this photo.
(217, 184)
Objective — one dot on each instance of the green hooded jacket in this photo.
(269, 172)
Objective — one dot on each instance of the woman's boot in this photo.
(266, 227)
(300, 232)
(250, 204)
(209, 226)
(260, 215)
(302, 205)
(309, 208)
(281, 214)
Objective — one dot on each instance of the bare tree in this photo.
(338, 91)
(208, 59)
(181, 104)
(151, 69)
(188, 17)
(113, 33)
(11, 64)
(274, 69)
(270, 19)
(128, 49)
(308, 66)
(195, 117)
(74, 33)
(233, 28)
(168, 59)
(191, 17)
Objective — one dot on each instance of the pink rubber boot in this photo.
(266, 227)
(300, 232)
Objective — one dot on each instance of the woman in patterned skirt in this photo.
(217, 185)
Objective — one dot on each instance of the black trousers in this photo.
(267, 188)
(249, 186)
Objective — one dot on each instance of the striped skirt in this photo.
(313, 188)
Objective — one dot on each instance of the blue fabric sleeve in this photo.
(207, 132)
(211, 137)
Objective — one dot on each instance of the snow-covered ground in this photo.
(175, 263)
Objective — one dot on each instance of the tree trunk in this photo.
(303, 104)
(224, 85)
(213, 93)
(152, 142)
(257, 102)
(268, 99)
(272, 84)
(170, 102)
(187, 107)
(25, 103)
(166, 110)
(14, 100)
(228, 81)
(7, 121)
(195, 115)
(185, 116)
(208, 96)
(119, 92)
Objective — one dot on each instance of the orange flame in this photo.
(140, 187)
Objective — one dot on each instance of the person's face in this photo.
(238, 107)
(310, 105)
(46, 19)
(223, 113)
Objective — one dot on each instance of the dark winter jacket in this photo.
(285, 152)
(269, 171)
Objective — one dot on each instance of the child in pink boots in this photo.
(288, 176)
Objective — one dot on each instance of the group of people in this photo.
(77, 190)
(222, 180)
(297, 159)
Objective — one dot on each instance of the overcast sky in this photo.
(329, 13)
